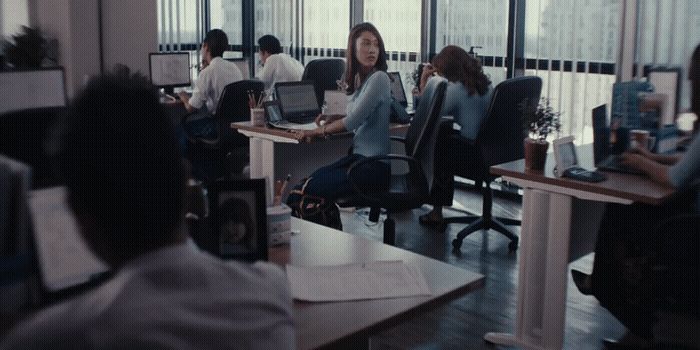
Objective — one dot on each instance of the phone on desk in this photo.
(567, 162)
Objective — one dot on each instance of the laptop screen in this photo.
(297, 100)
(397, 91)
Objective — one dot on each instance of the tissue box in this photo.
(279, 224)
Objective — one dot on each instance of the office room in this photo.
(349, 174)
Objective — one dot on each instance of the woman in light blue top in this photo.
(367, 115)
(467, 99)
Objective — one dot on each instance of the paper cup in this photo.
(257, 116)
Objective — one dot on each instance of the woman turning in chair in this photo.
(467, 100)
(367, 115)
(646, 270)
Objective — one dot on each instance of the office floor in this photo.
(462, 323)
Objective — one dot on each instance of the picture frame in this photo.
(564, 154)
(237, 220)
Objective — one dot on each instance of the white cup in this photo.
(641, 138)
(279, 224)
(257, 116)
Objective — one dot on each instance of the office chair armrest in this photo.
(413, 164)
(398, 138)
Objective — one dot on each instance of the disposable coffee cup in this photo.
(640, 138)
(257, 116)
(278, 224)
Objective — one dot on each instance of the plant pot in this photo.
(535, 154)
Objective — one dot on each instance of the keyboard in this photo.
(612, 163)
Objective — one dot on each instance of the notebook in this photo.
(273, 116)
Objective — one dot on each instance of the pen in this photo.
(283, 186)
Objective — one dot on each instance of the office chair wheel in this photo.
(513, 246)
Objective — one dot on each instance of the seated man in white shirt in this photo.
(216, 73)
(277, 66)
(126, 182)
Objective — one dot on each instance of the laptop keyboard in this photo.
(612, 163)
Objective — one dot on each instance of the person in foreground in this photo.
(633, 247)
(367, 114)
(276, 65)
(467, 99)
(126, 182)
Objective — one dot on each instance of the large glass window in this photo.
(227, 15)
(572, 46)
(399, 23)
(482, 24)
(326, 25)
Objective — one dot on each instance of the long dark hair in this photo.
(352, 65)
(455, 64)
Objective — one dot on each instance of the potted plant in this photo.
(27, 49)
(540, 120)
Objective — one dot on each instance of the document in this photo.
(64, 257)
(372, 280)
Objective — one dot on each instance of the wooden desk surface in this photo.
(287, 134)
(635, 188)
(329, 324)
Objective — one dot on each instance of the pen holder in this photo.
(278, 224)
(257, 116)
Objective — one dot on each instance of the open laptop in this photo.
(298, 105)
(605, 156)
(273, 116)
(398, 92)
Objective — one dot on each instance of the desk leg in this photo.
(262, 164)
(544, 258)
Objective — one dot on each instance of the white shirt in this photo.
(211, 83)
(279, 68)
(174, 298)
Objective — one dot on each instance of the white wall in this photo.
(13, 15)
(130, 32)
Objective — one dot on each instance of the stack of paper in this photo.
(372, 280)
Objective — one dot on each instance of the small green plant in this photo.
(540, 119)
(27, 49)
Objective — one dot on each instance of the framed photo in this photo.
(565, 154)
(237, 221)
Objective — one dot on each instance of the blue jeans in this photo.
(331, 181)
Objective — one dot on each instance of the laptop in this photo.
(398, 92)
(298, 105)
(273, 116)
(605, 156)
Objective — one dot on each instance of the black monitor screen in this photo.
(397, 91)
(297, 99)
(170, 69)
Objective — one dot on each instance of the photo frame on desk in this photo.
(237, 220)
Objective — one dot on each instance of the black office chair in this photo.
(24, 136)
(324, 72)
(500, 140)
(229, 152)
(409, 190)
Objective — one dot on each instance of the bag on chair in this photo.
(313, 208)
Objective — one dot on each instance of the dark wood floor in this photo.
(462, 323)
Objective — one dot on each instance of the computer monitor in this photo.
(243, 65)
(170, 70)
(667, 81)
(397, 90)
(298, 100)
(31, 89)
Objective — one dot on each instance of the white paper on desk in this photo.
(372, 280)
(336, 102)
(64, 257)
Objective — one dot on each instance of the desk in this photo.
(334, 325)
(559, 213)
(272, 158)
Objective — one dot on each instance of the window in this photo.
(399, 23)
(459, 23)
(227, 15)
(180, 28)
(572, 46)
(326, 25)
